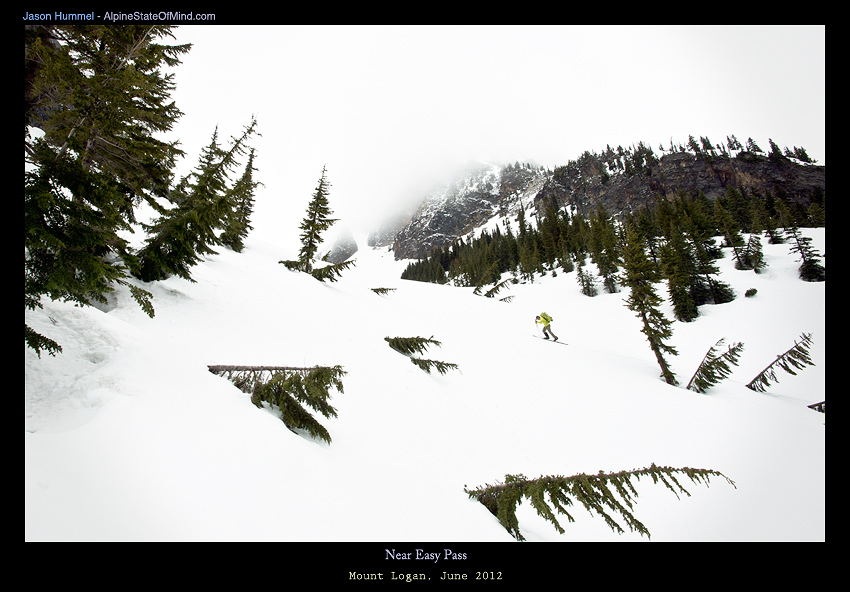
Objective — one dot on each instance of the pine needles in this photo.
(714, 368)
(411, 345)
(290, 390)
(417, 345)
(331, 272)
(316, 221)
(604, 494)
(797, 357)
(428, 365)
(328, 272)
(382, 291)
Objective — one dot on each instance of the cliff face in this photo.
(585, 187)
(464, 204)
(489, 190)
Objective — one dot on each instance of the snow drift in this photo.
(128, 436)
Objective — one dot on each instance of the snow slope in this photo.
(128, 437)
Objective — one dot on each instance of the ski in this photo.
(552, 340)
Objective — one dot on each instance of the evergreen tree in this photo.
(775, 153)
(410, 345)
(714, 368)
(801, 155)
(241, 199)
(729, 229)
(752, 256)
(677, 263)
(203, 205)
(733, 144)
(100, 96)
(587, 281)
(428, 365)
(753, 147)
(604, 250)
(290, 391)
(331, 272)
(497, 287)
(817, 213)
(647, 224)
(706, 287)
(736, 206)
(638, 275)
(810, 270)
(599, 494)
(797, 357)
(316, 221)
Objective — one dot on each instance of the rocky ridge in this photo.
(485, 191)
(488, 191)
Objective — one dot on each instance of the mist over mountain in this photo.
(620, 180)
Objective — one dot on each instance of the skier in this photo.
(544, 319)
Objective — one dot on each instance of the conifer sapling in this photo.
(316, 221)
(797, 357)
(714, 368)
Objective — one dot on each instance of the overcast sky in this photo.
(387, 108)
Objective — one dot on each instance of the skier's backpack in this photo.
(546, 317)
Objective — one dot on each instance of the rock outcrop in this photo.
(465, 204)
(487, 191)
(586, 187)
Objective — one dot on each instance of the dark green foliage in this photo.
(99, 94)
(295, 265)
(291, 391)
(383, 291)
(687, 258)
(797, 357)
(604, 248)
(418, 345)
(425, 270)
(202, 207)
(497, 287)
(714, 368)
(411, 345)
(238, 216)
(428, 365)
(483, 260)
(587, 281)
(315, 222)
(751, 257)
(810, 270)
(332, 271)
(705, 287)
(678, 266)
(39, 342)
(639, 275)
(602, 494)
(679, 232)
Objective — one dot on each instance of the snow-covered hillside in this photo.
(128, 436)
(481, 195)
